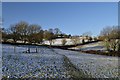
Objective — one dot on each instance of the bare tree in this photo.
(106, 32)
(57, 32)
(64, 41)
(86, 34)
(35, 33)
(22, 29)
(48, 35)
(14, 33)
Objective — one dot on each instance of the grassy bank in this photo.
(112, 53)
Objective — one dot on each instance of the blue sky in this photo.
(70, 17)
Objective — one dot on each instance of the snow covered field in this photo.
(45, 64)
(58, 42)
(94, 46)
(49, 63)
(97, 66)
(91, 46)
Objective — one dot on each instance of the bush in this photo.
(111, 37)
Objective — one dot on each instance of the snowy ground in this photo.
(97, 66)
(49, 63)
(45, 64)
(91, 46)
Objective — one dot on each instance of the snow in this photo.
(49, 63)
(94, 46)
(59, 41)
(96, 65)
(91, 46)
(46, 63)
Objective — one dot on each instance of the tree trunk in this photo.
(50, 41)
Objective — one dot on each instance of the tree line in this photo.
(31, 33)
